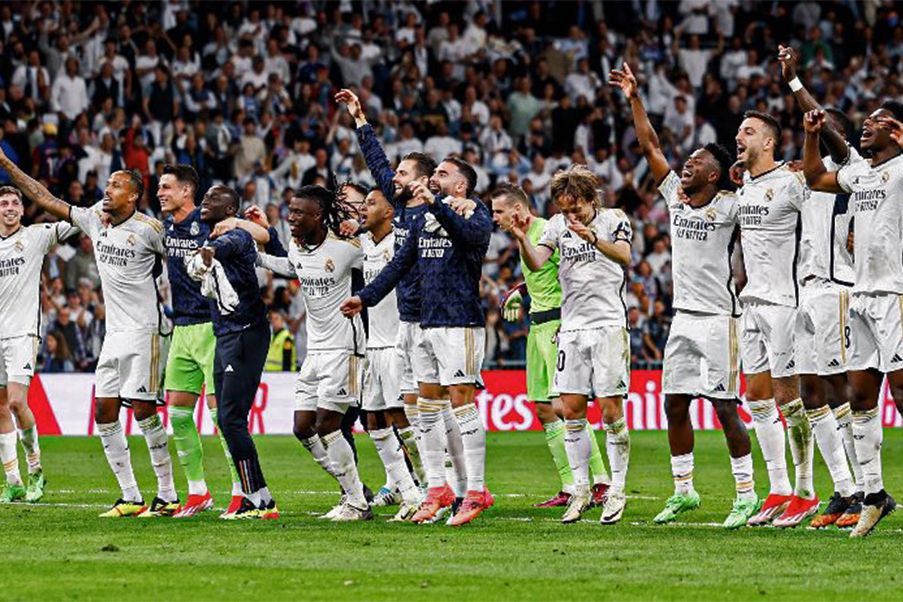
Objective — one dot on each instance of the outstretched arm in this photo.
(817, 177)
(534, 257)
(34, 190)
(374, 155)
(833, 139)
(648, 139)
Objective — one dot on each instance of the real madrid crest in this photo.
(329, 266)
(885, 176)
(769, 194)
(131, 239)
(19, 247)
(710, 214)
(386, 257)
(195, 229)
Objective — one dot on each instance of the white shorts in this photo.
(330, 380)
(766, 341)
(822, 336)
(702, 356)
(876, 332)
(17, 359)
(408, 332)
(450, 356)
(593, 362)
(381, 389)
(130, 366)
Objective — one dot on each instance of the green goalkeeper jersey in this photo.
(542, 285)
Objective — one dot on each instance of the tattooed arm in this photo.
(34, 190)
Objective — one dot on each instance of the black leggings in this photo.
(237, 368)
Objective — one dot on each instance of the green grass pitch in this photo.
(59, 549)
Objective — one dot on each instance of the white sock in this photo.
(617, 447)
(265, 496)
(342, 458)
(742, 469)
(255, 498)
(10, 458)
(29, 439)
(432, 433)
(844, 417)
(867, 436)
(456, 469)
(389, 449)
(116, 449)
(682, 472)
(158, 446)
(316, 448)
(576, 443)
(802, 447)
(473, 435)
(197, 487)
(236, 489)
(830, 445)
(770, 434)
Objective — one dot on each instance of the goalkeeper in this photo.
(511, 206)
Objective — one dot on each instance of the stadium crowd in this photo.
(243, 91)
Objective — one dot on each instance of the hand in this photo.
(349, 228)
(789, 59)
(227, 225)
(624, 79)
(814, 121)
(515, 225)
(463, 207)
(353, 103)
(736, 173)
(894, 127)
(582, 230)
(682, 196)
(351, 306)
(795, 165)
(206, 255)
(256, 215)
(511, 304)
(422, 192)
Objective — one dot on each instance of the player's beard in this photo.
(404, 196)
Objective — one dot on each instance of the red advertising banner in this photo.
(64, 405)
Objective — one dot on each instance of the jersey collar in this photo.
(19, 229)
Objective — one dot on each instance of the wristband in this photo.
(795, 84)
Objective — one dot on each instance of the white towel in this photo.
(214, 283)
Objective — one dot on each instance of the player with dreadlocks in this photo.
(331, 377)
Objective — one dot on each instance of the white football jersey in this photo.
(769, 208)
(324, 272)
(877, 204)
(21, 258)
(826, 222)
(382, 317)
(702, 240)
(129, 258)
(592, 285)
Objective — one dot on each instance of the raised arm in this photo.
(834, 140)
(277, 265)
(34, 190)
(374, 154)
(473, 231)
(817, 177)
(648, 139)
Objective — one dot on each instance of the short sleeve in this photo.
(356, 254)
(87, 219)
(157, 241)
(797, 191)
(620, 228)
(552, 233)
(854, 175)
(669, 189)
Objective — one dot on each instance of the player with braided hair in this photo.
(330, 380)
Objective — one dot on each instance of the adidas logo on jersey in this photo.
(27, 367)
(142, 389)
(229, 368)
(567, 234)
(791, 364)
(342, 392)
(719, 388)
(621, 385)
(896, 358)
(833, 363)
(459, 374)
